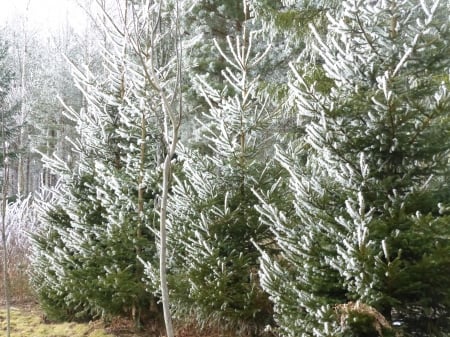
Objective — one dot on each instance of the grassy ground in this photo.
(27, 322)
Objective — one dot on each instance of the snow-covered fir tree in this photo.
(366, 252)
(212, 216)
(286, 25)
(101, 222)
(203, 22)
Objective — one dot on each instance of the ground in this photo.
(27, 320)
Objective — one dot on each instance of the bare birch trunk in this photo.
(163, 252)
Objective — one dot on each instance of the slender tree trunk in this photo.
(21, 137)
(171, 143)
(4, 226)
(29, 181)
(163, 254)
(167, 175)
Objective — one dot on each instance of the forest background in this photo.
(263, 168)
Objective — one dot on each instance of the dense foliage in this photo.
(310, 192)
(366, 252)
(213, 221)
(100, 224)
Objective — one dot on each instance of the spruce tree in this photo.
(286, 25)
(366, 251)
(213, 221)
(101, 224)
(52, 262)
(203, 23)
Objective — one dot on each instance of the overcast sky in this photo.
(42, 14)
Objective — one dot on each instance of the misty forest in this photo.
(246, 168)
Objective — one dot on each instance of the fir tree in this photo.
(51, 261)
(103, 219)
(212, 217)
(366, 252)
(286, 25)
(205, 22)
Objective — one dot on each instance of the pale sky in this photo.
(42, 14)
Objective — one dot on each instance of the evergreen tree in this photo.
(366, 251)
(212, 216)
(286, 25)
(204, 22)
(9, 103)
(6, 75)
(51, 263)
(101, 224)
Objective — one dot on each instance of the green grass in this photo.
(27, 322)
